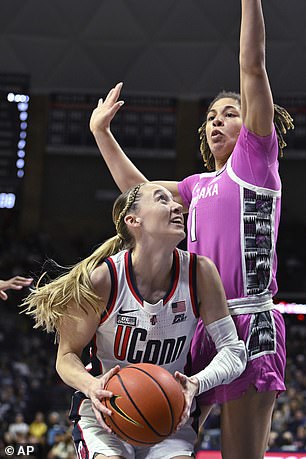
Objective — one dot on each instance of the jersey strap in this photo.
(193, 284)
(114, 289)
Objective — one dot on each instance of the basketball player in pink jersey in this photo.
(139, 298)
(233, 219)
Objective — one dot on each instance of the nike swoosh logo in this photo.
(113, 403)
(126, 311)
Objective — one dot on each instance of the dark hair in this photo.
(282, 122)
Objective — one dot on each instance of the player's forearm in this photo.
(73, 373)
(123, 171)
(252, 36)
(230, 360)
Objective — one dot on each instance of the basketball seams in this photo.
(109, 420)
(136, 407)
(140, 407)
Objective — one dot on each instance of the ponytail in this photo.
(282, 122)
(47, 304)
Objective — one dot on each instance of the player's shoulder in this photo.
(201, 261)
(100, 279)
(205, 264)
(201, 176)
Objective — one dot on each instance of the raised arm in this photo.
(256, 98)
(123, 171)
(76, 330)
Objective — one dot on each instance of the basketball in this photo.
(147, 404)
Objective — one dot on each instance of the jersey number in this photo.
(193, 235)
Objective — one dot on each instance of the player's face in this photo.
(159, 215)
(223, 127)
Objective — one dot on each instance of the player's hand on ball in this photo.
(106, 110)
(190, 388)
(96, 392)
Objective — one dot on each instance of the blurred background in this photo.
(56, 60)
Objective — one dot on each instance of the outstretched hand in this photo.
(15, 283)
(106, 110)
(96, 393)
(190, 388)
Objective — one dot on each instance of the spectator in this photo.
(18, 428)
(38, 428)
(273, 441)
(287, 442)
(63, 447)
(55, 428)
(300, 438)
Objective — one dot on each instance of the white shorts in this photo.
(90, 439)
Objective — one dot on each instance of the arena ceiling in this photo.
(185, 48)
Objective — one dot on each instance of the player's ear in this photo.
(132, 220)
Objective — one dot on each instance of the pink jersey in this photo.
(234, 215)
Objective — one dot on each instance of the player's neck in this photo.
(219, 164)
(152, 273)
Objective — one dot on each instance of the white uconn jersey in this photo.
(133, 331)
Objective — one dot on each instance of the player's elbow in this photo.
(252, 65)
(60, 366)
(240, 358)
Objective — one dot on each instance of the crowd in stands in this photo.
(291, 249)
(33, 399)
(288, 431)
(34, 402)
(51, 438)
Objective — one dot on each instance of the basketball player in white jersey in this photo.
(139, 298)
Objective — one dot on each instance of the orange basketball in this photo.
(147, 404)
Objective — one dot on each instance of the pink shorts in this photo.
(264, 335)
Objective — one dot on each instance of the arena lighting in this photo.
(22, 101)
(22, 106)
(291, 308)
(21, 144)
(20, 163)
(7, 200)
(23, 116)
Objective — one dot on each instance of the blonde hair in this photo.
(47, 304)
(282, 122)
